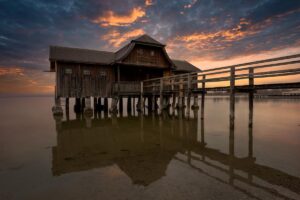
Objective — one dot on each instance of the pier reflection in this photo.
(144, 145)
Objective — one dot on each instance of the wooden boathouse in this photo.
(83, 73)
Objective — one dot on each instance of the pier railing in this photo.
(190, 82)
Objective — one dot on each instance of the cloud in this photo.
(213, 40)
(148, 2)
(112, 19)
(191, 4)
(4, 71)
(116, 38)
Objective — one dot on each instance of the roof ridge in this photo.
(76, 48)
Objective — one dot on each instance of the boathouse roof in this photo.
(78, 55)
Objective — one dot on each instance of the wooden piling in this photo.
(129, 108)
(141, 104)
(121, 104)
(99, 105)
(134, 105)
(188, 95)
(161, 95)
(67, 109)
(57, 109)
(195, 103)
(105, 105)
(82, 104)
(232, 93)
(67, 103)
(150, 104)
(153, 98)
(180, 96)
(250, 126)
(95, 103)
(77, 106)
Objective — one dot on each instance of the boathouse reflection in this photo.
(143, 146)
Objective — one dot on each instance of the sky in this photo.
(207, 33)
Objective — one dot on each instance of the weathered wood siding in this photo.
(147, 56)
(82, 80)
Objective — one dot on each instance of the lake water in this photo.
(150, 157)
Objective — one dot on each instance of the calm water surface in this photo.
(150, 157)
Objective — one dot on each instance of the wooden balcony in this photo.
(127, 88)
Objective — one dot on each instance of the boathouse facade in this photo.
(83, 73)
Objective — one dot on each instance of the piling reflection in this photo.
(144, 145)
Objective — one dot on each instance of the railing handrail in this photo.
(214, 71)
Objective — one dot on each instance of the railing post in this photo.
(142, 97)
(188, 95)
(251, 78)
(153, 97)
(180, 98)
(203, 96)
(203, 84)
(232, 93)
(161, 95)
(173, 94)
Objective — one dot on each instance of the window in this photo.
(102, 73)
(68, 71)
(152, 53)
(86, 72)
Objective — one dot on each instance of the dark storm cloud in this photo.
(28, 27)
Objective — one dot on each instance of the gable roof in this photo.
(147, 40)
(184, 66)
(88, 56)
(80, 55)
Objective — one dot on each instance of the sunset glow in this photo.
(208, 34)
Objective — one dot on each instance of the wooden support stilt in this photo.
(67, 109)
(134, 105)
(121, 104)
(129, 108)
(153, 103)
(232, 93)
(95, 103)
(77, 106)
(57, 109)
(99, 105)
(88, 111)
(166, 103)
(250, 126)
(195, 103)
(250, 123)
(67, 103)
(173, 94)
(188, 95)
(180, 103)
(150, 104)
(105, 105)
(114, 105)
(141, 99)
(153, 98)
(161, 95)
(82, 104)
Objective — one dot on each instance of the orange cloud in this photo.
(11, 71)
(209, 40)
(148, 2)
(112, 19)
(115, 38)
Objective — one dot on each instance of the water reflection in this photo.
(144, 145)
